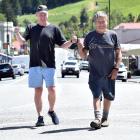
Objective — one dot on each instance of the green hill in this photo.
(63, 13)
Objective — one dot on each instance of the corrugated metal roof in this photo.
(128, 26)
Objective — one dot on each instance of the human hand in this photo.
(16, 30)
(74, 39)
(113, 74)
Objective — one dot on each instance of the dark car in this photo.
(6, 71)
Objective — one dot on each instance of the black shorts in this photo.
(103, 86)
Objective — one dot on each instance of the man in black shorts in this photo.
(104, 60)
(43, 37)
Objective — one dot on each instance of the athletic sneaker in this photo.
(40, 121)
(54, 117)
(104, 122)
(96, 123)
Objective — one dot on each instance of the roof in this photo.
(128, 26)
(4, 55)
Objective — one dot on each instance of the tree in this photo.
(116, 18)
(35, 3)
(17, 7)
(2, 17)
(74, 19)
(84, 16)
(84, 20)
(138, 18)
(130, 18)
(7, 9)
(26, 22)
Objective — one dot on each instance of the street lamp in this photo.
(108, 10)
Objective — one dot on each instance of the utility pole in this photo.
(7, 38)
(109, 13)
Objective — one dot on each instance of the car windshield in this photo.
(70, 63)
(84, 63)
(4, 66)
(15, 66)
(122, 65)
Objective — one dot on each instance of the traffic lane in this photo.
(74, 107)
(14, 92)
(10, 80)
(77, 113)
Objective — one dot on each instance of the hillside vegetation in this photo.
(64, 13)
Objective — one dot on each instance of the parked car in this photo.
(122, 73)
(84, 65)
(6, 70)
(18, 70)
(23, 60)
(70, 67)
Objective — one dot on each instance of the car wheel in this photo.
(0, 79)
(63, 75)
(14, 77)
(129, 75)
(77, 75)
(20, 74)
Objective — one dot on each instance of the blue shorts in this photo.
(38, 74)
(103, 86)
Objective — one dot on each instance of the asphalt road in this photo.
(74, 108)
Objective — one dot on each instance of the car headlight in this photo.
(76, 68)
(64, 68)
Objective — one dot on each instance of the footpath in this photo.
(134, 79)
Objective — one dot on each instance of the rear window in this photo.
(2, 66)
(70, 63)
(121, 65)
(15, 66)
(85, 63)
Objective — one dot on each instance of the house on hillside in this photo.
(128, 33)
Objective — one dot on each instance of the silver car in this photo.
(18, 70)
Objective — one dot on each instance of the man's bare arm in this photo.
(67, 44)
(82, 52)
(118, 57)
(19, 36)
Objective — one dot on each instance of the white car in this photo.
(122, 73)
(18, 70)
(70, 67)
(84, 65)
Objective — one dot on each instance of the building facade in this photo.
(128, 33)
(6, 36)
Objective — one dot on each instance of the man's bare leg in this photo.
(52, 100)
(38, 100)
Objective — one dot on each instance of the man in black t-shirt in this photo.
(43, 36)
(104, 60)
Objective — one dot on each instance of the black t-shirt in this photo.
(42, 43)
(101, 52)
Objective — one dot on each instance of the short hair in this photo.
(99, 14)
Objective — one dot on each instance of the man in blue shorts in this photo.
(104, 60)
(43, 37)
